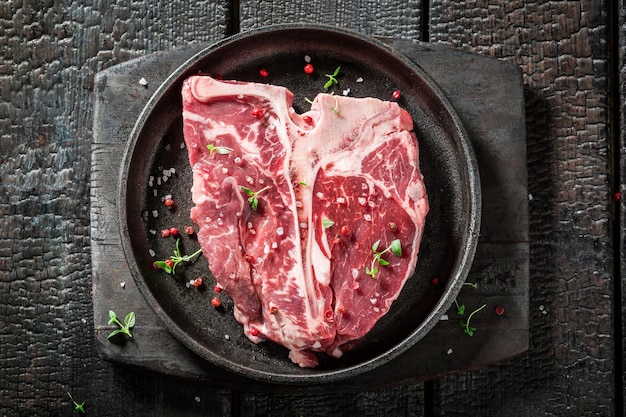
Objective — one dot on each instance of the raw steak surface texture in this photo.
(331, 182)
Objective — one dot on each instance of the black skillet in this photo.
(368, 68)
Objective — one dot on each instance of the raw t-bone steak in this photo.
(297, 257)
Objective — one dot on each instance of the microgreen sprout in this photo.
(308, 100)
(169, 265)
(129, 321)
(336, 107)
(78, 407)
(222, 150)
(395, 246)
(253, 198)
(467, 329)
(332, 79)
(326, 223)
(460, 309)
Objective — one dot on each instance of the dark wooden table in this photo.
(571, 54)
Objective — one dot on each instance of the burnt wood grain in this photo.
(50, 54)
(562, 50)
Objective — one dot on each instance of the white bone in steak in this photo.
(333, 181)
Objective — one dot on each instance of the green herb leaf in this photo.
(112, 317)
(222, 150)
(461, 310)
(396, 247)
(177, 258)
(78, 407)
(467, 329)
(383, 262)
(113, 333)
(253, 200)
(332, 79)
(326, 223)
(129, 320)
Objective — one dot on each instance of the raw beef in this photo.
(331, 182)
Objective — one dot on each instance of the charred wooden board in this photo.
(487, 95)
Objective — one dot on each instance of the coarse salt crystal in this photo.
(153, 231)
(346, 91)
(143, 81)
(227, 337)
(154, 192)
(151, 252)
(444, 317)
(123, 284)
(355, 273)
(341, 200)
(155, 213)
(449, 351)
(307, 59)
(280, 231)
(250, 180)
(362, 201)
(371, 204)
(319, 194)
(249, 225)
(303, 225)
(182, 145)
(224, 170)
(367, 217)
(359, 80)
(274, 245)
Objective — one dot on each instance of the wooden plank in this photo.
(503, 266)
(561, 49)
(398, 19)
(50, 54)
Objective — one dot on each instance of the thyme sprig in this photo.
(129, 321)
(332, 78)
(169, 265)
(78, 407)
(467, 329)
(253, 198)
(395, 247)
(222, 150)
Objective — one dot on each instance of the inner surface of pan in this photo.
(156, 166)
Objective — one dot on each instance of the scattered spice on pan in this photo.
(309, 69)
(263, 72)
(396, 94)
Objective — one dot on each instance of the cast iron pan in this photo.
(156, 145)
